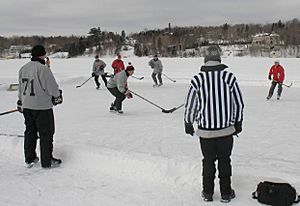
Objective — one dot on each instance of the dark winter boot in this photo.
(120, 112)
(31, 163)
(112, 108)
(228, 197)
(54, 163)
(207, 197)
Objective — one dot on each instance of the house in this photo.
(15, 51)
(268, 40)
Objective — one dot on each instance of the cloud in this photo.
(56, 17)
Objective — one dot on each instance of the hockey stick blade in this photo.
(138, 78)
(288, 85)
(172, 110)
(169, 110)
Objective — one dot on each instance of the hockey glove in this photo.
(238, 128)
(48, 62)
(270, 78)
(93, 74)
(189, 129)
(57, 100)
(128, 94)
(19, 106)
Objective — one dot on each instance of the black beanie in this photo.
(212, 53)
(38, 51)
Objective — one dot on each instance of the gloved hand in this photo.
(189, 129)
(270, 78)
(19, 106)
(57, 100)
(128, 94)
(93, 74)
(48, 62)
(238, 128)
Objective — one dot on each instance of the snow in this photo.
(143, 157)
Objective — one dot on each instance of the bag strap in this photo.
(297, 200)
(254, 195)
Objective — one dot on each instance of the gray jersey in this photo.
(156, 65)
(119, 80)
(98, 67)
(37, 86)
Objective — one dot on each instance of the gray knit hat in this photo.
(212, 53)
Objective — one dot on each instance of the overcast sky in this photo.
(67, 17)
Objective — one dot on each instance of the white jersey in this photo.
(37, 86)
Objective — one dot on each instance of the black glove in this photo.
(19, 106)
(93, 74)
(270, 78)
(189, 129)
(238, 128)
(57, 100)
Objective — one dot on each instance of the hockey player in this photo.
(118, 65)
(98, 69)
(277, 72)
(214, 100)
(117, 86)
(157, 67)
(38, 92)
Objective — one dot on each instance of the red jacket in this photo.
(278, 73)
(118, 66)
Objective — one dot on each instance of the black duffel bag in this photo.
(275, 194)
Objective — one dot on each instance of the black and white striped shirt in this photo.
(214, 99)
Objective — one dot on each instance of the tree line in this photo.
(169, 41)
(96, 41)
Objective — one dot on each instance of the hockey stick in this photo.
(83, 82)
(11, 135)
(108, 75)
(288, 86)
(139, 78)
(7, 112)
(169, 78)
(162, 109)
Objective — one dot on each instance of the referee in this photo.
(214, 101)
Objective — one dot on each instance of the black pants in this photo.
(216, 149)
(39, 124)
(96, 78)
(119, 97)
(158, 77)
(272, 88)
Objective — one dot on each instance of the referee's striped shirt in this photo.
(214, 99)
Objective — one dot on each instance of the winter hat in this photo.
(212, 53)
(129, 67)
(38, 51)
(119, 56)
